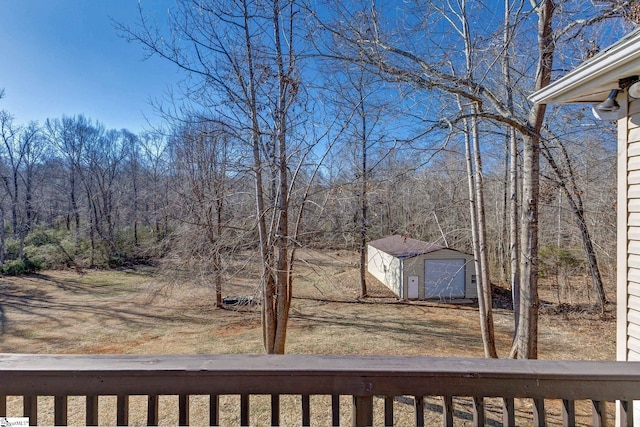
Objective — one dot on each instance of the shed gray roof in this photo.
(405, 247)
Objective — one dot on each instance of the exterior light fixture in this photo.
(609, 105)
(608, 109)
(634, 90)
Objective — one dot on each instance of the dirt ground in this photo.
(141, 311)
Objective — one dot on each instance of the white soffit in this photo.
(592, 81)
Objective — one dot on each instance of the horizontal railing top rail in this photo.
(40, 374)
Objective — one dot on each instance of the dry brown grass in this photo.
(136, 311)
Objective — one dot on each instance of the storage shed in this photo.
(414, 269)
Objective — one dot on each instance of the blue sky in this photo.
(65, 57)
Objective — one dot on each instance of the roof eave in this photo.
(591, 81)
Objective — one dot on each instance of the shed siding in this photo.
(386, 268)
(415, 267)
(630, 130)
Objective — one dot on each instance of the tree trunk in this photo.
(527, 335)
(514, 246)
(476, 199)
(363, 199)
(486, 321)
(526, 344)
(512, 154)
(486, 295)
(217, 259)
(283, 291)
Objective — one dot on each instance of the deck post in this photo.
(306, 410)
(60, 410)
(388, 410)
(30, 409)
(183, 409)
(153, 410)
(335, 410)
(568, 412)
(447, 411)
(91, 416)
(244, 410)
(626, 413)
(599, 413)
(508, 412)
(478, 411)
(419, 408)
(539, 418)
(362, 411)
(275, 410)
(214, 410)
(122, 410)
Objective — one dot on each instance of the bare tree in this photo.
(564, 177)
(21, 151)
(243, 63)
(202, 158)
(153, 149)
(357, 96)
(68, 137)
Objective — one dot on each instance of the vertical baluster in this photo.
(362, 411)
(478, 411)
(568, 413)
(599, 409)
(3, 406)
(30, 409)
(275, 410)
(214, 410)
(508, 412)
(388, 410)
(447, 411)
(335, 410)
(122, 410)
(244, 410)
(153, 410)
(539, 417)
(183, 410)
(419, 406)
(91, 416)
(60, 410)
(306, 410)
(626, 413)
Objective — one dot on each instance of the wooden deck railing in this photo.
(31, 376)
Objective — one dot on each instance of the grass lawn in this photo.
(141, 311)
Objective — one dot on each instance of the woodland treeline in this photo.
(328, 125)
(75, 193)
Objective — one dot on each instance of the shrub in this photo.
(19, 267)
(48, 255)
(40, 238)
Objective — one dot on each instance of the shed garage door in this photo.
(444, 278)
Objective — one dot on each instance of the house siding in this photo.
(629, 129)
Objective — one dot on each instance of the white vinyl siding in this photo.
(631, 130)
